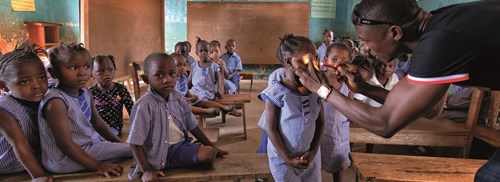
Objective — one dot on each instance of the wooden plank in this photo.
(383, 167)
(234, 99)
(233, 167)
(212, 134)
(488, 135)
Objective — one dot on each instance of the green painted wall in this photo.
(12, 28)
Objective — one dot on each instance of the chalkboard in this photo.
(256, 26)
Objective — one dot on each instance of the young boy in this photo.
(160, 121)
(232, 62)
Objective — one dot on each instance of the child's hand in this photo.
(307, 157)
(218, 95)
(221, 153)
(150, 176)
(220, 62)
(108, 169)
(296, 163)
(230, 76)
(43, 179)
(193, 98)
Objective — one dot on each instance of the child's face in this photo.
(336, 55)
(214, 53)
(327, 37)
(203, 52)
(104, 72)
(29, 81)
(300, 63)
(162, 76)
(384, 69)
(180, 64)
(182, 49)
(75, 73)
(231, 47)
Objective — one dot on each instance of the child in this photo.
(327, 40)
(233, 62)
(109, 97)
(23, 78)
(181, 87)
(70, 126)
(384, 76)
(294, 118)
(184, 48)
(229, 86)
(189, 58)
(335, 143)
(160, 121)
(204, 79)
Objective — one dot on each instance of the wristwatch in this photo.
(324, 91)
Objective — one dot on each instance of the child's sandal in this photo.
(232, 111)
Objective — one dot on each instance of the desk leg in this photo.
(251, 83)
(244, 123)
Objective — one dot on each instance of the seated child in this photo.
(71, 130)
(229, 86)
(457, 103)
(204, 79)
(335, 142)
(232, 62)
(294, 118)
(184, 48)
(109, 96)
(160, 122)
(24, 80)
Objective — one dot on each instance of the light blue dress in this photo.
(335, 142)
(204, 81)
(297, 126)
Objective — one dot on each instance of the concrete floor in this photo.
(231, 133)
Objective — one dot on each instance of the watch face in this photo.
(323, 92)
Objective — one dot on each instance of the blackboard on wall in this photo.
(256, 26)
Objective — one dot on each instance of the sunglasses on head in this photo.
(358, 20)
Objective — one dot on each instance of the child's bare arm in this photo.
(200, 135)
(190, 79)
(100, 126)
(149, 174)
(59, 127)
(16, 138)
(272, 123)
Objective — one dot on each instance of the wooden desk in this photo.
(383, 167)
(236, 99)
(234, 167)
(422, 132)
(211, 133)
(247, 76)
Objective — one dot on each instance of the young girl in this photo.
(229, 86)
(109, 97)
(327, 40)
(204, 79)
(294, 118)
(335, 142)
(23, 78)
(70, 126)
(184, 48)
(160, 121)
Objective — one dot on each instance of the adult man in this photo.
(453, 44)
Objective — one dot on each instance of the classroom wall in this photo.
(12, 28)
(127, 29)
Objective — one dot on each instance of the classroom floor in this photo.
(231, 133)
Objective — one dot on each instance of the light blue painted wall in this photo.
(12, 28)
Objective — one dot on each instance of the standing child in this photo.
(294, 118)
(233, 62)
(23, 78)
(70, 125)
(204, 78)
(109, 96)
(160, 122)
(327, 40)
(335, 142)
(229, 86)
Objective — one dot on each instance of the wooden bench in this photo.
(426, 132)
(247, 76)
(238, 100)
(234, 167)
(384, 167)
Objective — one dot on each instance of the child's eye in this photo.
(42, 78)
(160, 75)
(173, 74)
(72, 68)
(24, 82)
(109, 70)
(87, 67)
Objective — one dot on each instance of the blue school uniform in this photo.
(297, 125)
(335, 142)
(233, 63)
(189, 59)
(150, 126)
(82, 133)
(204, 81)
(25, 114)
(182, 85)
(322, 55)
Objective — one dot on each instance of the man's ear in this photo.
(3, 87)
(144, 78)
(396, 32)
